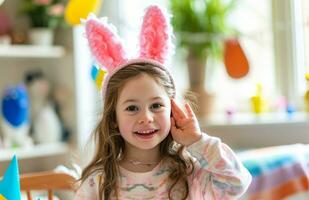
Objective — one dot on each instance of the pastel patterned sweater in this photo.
(217, 174)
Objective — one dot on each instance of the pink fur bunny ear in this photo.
(104, 43)
(155, 36)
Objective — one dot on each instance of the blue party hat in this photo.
(9, 185)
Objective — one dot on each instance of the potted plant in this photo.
(200, 27)
(44, 16)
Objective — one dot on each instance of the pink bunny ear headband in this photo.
(106, 47)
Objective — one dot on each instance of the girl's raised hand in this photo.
(184, 125)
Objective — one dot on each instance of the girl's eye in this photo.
(132, 108)
(156, 106)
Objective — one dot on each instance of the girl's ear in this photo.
(155, 41)
(104, 43)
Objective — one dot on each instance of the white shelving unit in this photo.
(66, 65)
(15, 60)
(57, 64)
(31, 51)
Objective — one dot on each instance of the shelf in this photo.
(246, 130)
(42, 150)
(247, 119)
(31, 51)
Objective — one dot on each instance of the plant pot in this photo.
(197, 73)
(41, 36)
(196, 70)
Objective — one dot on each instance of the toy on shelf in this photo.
(230, 112)
(62, 98)
(258, 102)
(307, 94)
(46, 125)
(280, 104)
(290, 110)
(15, 117)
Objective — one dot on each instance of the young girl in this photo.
(147, 146)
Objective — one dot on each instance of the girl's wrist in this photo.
(195, 139)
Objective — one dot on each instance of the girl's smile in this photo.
(147, 134)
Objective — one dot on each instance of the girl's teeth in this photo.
(146, 132)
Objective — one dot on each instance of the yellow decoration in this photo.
(2, 197)
(99, 78)
(307, 94)
(80, 9)
(307, 101)
(258, 103)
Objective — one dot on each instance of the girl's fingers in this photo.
(177, 124)
(177, 111)
(173, 125)
(181, 122)
(189, 110)
(174, 113)
(173, 121)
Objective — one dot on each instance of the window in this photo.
(253, 19)
(289, 49)
(273, 34)
(305, 24)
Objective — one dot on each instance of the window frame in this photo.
(289, 50)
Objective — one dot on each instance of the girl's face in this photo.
(143, 113)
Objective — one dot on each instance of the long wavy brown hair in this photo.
(110, 145)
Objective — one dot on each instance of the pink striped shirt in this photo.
(217, 174)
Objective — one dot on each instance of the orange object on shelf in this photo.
(235, 60)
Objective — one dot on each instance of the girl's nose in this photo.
(146, 118)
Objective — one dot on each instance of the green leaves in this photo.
(201, 25)
(40, 15)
